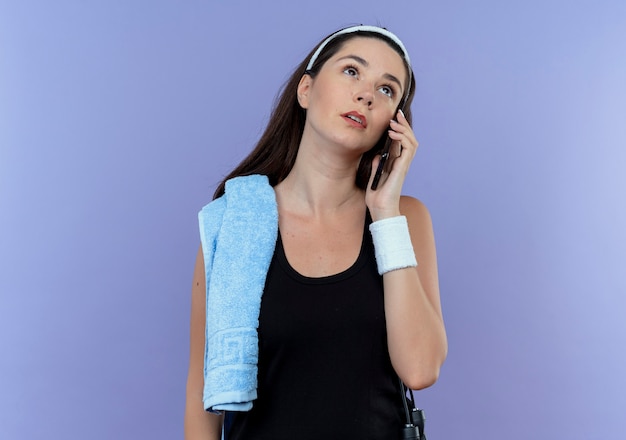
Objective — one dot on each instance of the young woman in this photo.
(350, 297)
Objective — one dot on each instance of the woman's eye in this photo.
(387, 91)
(351, 71)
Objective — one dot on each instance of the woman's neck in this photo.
(320, 184)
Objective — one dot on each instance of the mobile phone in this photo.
(381, 165)
(384, 156)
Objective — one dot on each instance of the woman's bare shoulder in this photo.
(414, 209)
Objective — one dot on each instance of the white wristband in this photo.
(392, 244)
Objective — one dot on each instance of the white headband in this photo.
(365, 28)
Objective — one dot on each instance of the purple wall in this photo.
(118, 118)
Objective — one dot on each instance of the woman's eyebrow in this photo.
(364, 63)
(356, 58)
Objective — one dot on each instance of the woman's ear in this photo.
(304, 86)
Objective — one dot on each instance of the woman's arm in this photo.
(199, 424)
(415, 329)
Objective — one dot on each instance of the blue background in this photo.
(118, 118)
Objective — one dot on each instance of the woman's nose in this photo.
(367, 100)
(365, 96)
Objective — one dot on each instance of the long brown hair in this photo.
(276, 151)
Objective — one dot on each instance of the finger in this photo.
(401, 119)
(400, 126)
(404, 128)
(401, 116)
(404, 135)
(402, 141)
(402, 123)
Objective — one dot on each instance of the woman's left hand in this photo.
(384, 202)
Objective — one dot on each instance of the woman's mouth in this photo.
(356, 119)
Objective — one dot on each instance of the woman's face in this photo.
(354, 95)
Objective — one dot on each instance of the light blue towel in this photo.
(238, 233)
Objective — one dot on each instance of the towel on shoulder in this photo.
(238, 233)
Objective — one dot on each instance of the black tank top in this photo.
(324, 368)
